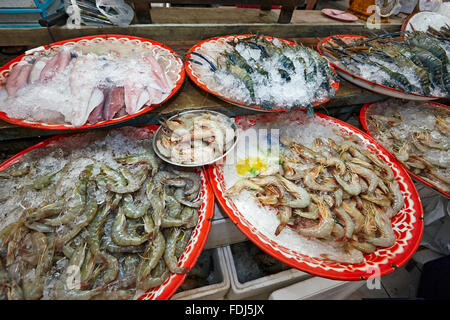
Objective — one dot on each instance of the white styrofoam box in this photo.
(223, 230)
(317, 288)
(260, 286)
(214, 291)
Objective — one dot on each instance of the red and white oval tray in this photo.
(151, 45)
(363, 115)
(407, 224)
(196, 76)
(206, 210)
(364, 83)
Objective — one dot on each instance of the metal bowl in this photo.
(227, 149)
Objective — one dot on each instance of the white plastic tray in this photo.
(317, 288)
(260, 286)
(215, 291)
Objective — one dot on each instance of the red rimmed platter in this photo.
(146, 44)
(363, 116)
(206, 211)
(364, 83)
(198, 78)
(407, 224)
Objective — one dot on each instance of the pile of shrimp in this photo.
(340, 194)
(104, 224)
(195, 137)
(418, 134)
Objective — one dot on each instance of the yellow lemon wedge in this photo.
(250, 166)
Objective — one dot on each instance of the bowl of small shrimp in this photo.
(195, 138)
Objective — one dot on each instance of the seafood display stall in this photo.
(119, 145)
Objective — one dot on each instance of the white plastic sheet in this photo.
(405, 6)
(436, 207)
(117, 12)
(124, 12)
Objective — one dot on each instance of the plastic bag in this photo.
(436, 208)
(74, 19)
(123, 12)
(102, 13)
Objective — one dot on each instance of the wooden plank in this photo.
(287, 11)
(221, 2)
(24, 37)
(204, 31)
(142, 12)
(303, 24)
(225, 15)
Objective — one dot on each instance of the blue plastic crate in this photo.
(29, 14)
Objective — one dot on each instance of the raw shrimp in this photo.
(169, 253)
(353, 187)
(285, 214)
(119, 234)
(310, 181)
(301, 195)
(241, 185)
(323, 228)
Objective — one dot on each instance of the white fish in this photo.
(82, 85)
